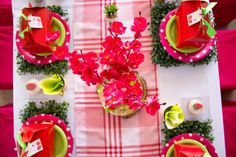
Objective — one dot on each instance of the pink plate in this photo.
(39, 118)
(183, 57)
(202, 140)
(43, 59)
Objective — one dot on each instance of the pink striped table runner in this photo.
(98, 133)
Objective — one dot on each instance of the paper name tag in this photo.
(35, 22)
(34, 147)
(194, 17)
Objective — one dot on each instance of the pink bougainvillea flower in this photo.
(135, 59)
(136, 45)
(117, 28)
(139, 25)
(152, 105)
(61, 52)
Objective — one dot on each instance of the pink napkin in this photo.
(227, 56)
(6, 40)
(7, 144)
(6, 57)
(229, 113)
(98, 133)
(6, 13)
(222, 15)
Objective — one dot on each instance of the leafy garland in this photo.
(58, 9)
(159, 55)
(48, 107)
(59, 67)
(202, 128)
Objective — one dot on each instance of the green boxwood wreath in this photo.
(159, 55)
(58, 109)
(203, 128)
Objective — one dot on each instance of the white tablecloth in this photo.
(175, 85)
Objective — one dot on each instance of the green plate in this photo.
(61, 143)
(171, 37)
(185, 141)
(56, 26)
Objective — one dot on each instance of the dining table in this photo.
(98, 133)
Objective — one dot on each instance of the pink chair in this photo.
(227, 58)
(6, 48)
(229, 112)
(224, 12)
(7, 143)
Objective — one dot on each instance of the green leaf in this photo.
(20, 142)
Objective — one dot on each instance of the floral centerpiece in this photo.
(121, 89)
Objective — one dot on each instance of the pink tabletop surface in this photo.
(222, 15)
(227, 56)
(6, 58)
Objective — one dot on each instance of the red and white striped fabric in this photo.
(98, 133)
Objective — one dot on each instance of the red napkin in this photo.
(185, 150)
(44, 132)
(35, 40)
(194, 35)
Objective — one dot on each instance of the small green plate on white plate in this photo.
(61, 143)
(171, 37)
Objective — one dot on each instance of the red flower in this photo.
(112, 44)
(152, 105)
(85, 65)
(90, 56)
(90, 76)
(135, 104)
(113, 95)
(139, 25)
(107, 57)
(127, 45)
(61, 52)
(76, 63)
(136, 45)
(135, 59)
(117, 28)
